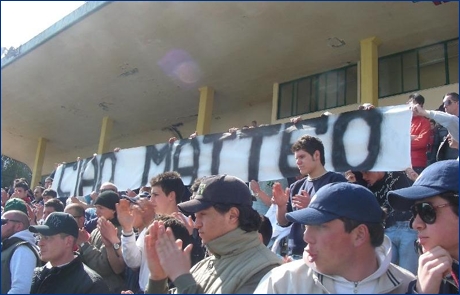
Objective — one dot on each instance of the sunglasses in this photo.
(447, 103)
(108, 190)
(426, 211)
(5, 220)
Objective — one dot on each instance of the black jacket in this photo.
(73, 278)
(448, 285)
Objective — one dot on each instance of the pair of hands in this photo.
(164, 254)
(281, 198)
(433, 266)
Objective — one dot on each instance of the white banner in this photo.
(377, 140)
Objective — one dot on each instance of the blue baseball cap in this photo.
(438, 178)
(339, 199)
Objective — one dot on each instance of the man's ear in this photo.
(316, 155)
(361, 235)
(234, 214)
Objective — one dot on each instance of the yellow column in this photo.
(370, 70)
(104, 139)
(38, 163)
(203, 125)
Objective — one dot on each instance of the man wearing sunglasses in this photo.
(19, 253)
(433, 200)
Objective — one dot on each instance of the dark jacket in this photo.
(72, 278)
(391, 181)
(448, 285)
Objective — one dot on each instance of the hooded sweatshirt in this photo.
(22, 265)
(298, 277)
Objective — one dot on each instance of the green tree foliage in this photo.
(12, 169)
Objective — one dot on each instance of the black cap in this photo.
(108, 199)
(218, 189)
(57, 223)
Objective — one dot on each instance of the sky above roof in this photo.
(23, 20)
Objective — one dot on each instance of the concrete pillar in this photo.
(38, 163)
(203, 125)
(370, 70)
(104, 139)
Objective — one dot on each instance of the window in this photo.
(420, 68)
(318, 92)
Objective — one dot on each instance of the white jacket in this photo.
(299, 278)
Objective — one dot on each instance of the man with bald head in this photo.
(19, 253)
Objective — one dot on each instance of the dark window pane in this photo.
(285, 100)
(352, 85)
(452, 55)
(341, 88)
(321, 92)
(432, 66)
(410, 71)
(331, 90)
(303, 96)
(390, 76)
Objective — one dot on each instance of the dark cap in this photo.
(218, 189)
(15, 204)
(438, 178)
(108, 199)
(57, 223)
(132, 200)
(339, 199)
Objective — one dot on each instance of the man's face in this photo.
(47, 211)
(371, 177)
(105, 212)
(443, 232)
(329, 247)
(305, 162)
(48, 183)
(53, 248)
(211, 224)
(37, 193)
(12, 226)
(160, 200)
(79, 218)
(450, 105)
(20, 192)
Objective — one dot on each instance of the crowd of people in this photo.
(321, 232)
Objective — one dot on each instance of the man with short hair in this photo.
(228, 226)
(48, 182)
(52, 205)
(64, 272)
(20, 191)
(420, 132)
(49, 194)
(309, 155)
(450, 102)
(38, 194)
(19, 253)
(347, 251)
(445, 152)
(433, 200)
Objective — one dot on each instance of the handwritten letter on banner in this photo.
(377, 140)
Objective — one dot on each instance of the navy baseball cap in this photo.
(339, 199)
(436, 179)
(218, 189)
(57, 223)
